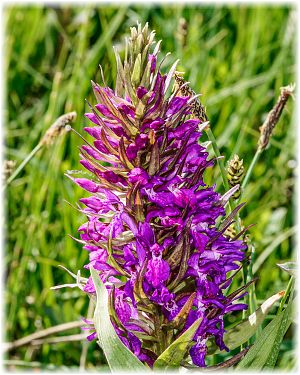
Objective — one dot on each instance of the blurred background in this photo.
(237, 56)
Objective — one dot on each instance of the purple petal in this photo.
(87, 184)
(176, 104)
(158, 272)
(141, 91)
(138, 175)
(92, 117)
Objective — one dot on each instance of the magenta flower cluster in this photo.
(151, 230)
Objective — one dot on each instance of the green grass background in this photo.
(237, 56)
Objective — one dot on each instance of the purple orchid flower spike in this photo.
(152, 230)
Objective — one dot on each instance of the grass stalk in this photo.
(221, 166)
(23, 164)
(220, 161)
(250, 169)
(40, 334)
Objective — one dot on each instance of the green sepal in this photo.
(120, 83)
(129, 91)
(123, 156)
(183, 262)
(136, 73)
(180, 318)
(154, 164)
(138, 290)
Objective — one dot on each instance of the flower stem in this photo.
(23, 164)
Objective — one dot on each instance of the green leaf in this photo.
(264, 353)
(175, 353)
(117, 355)
(243, 331)
(289, 267)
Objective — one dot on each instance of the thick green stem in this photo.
(158, 332)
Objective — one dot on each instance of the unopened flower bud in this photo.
(198, 110)
(235, 172)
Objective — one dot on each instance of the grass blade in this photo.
(242, 332)
(264, 352)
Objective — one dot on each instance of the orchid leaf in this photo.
(175, 353)
(243, 331)
(116, 353)
(264, 353)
